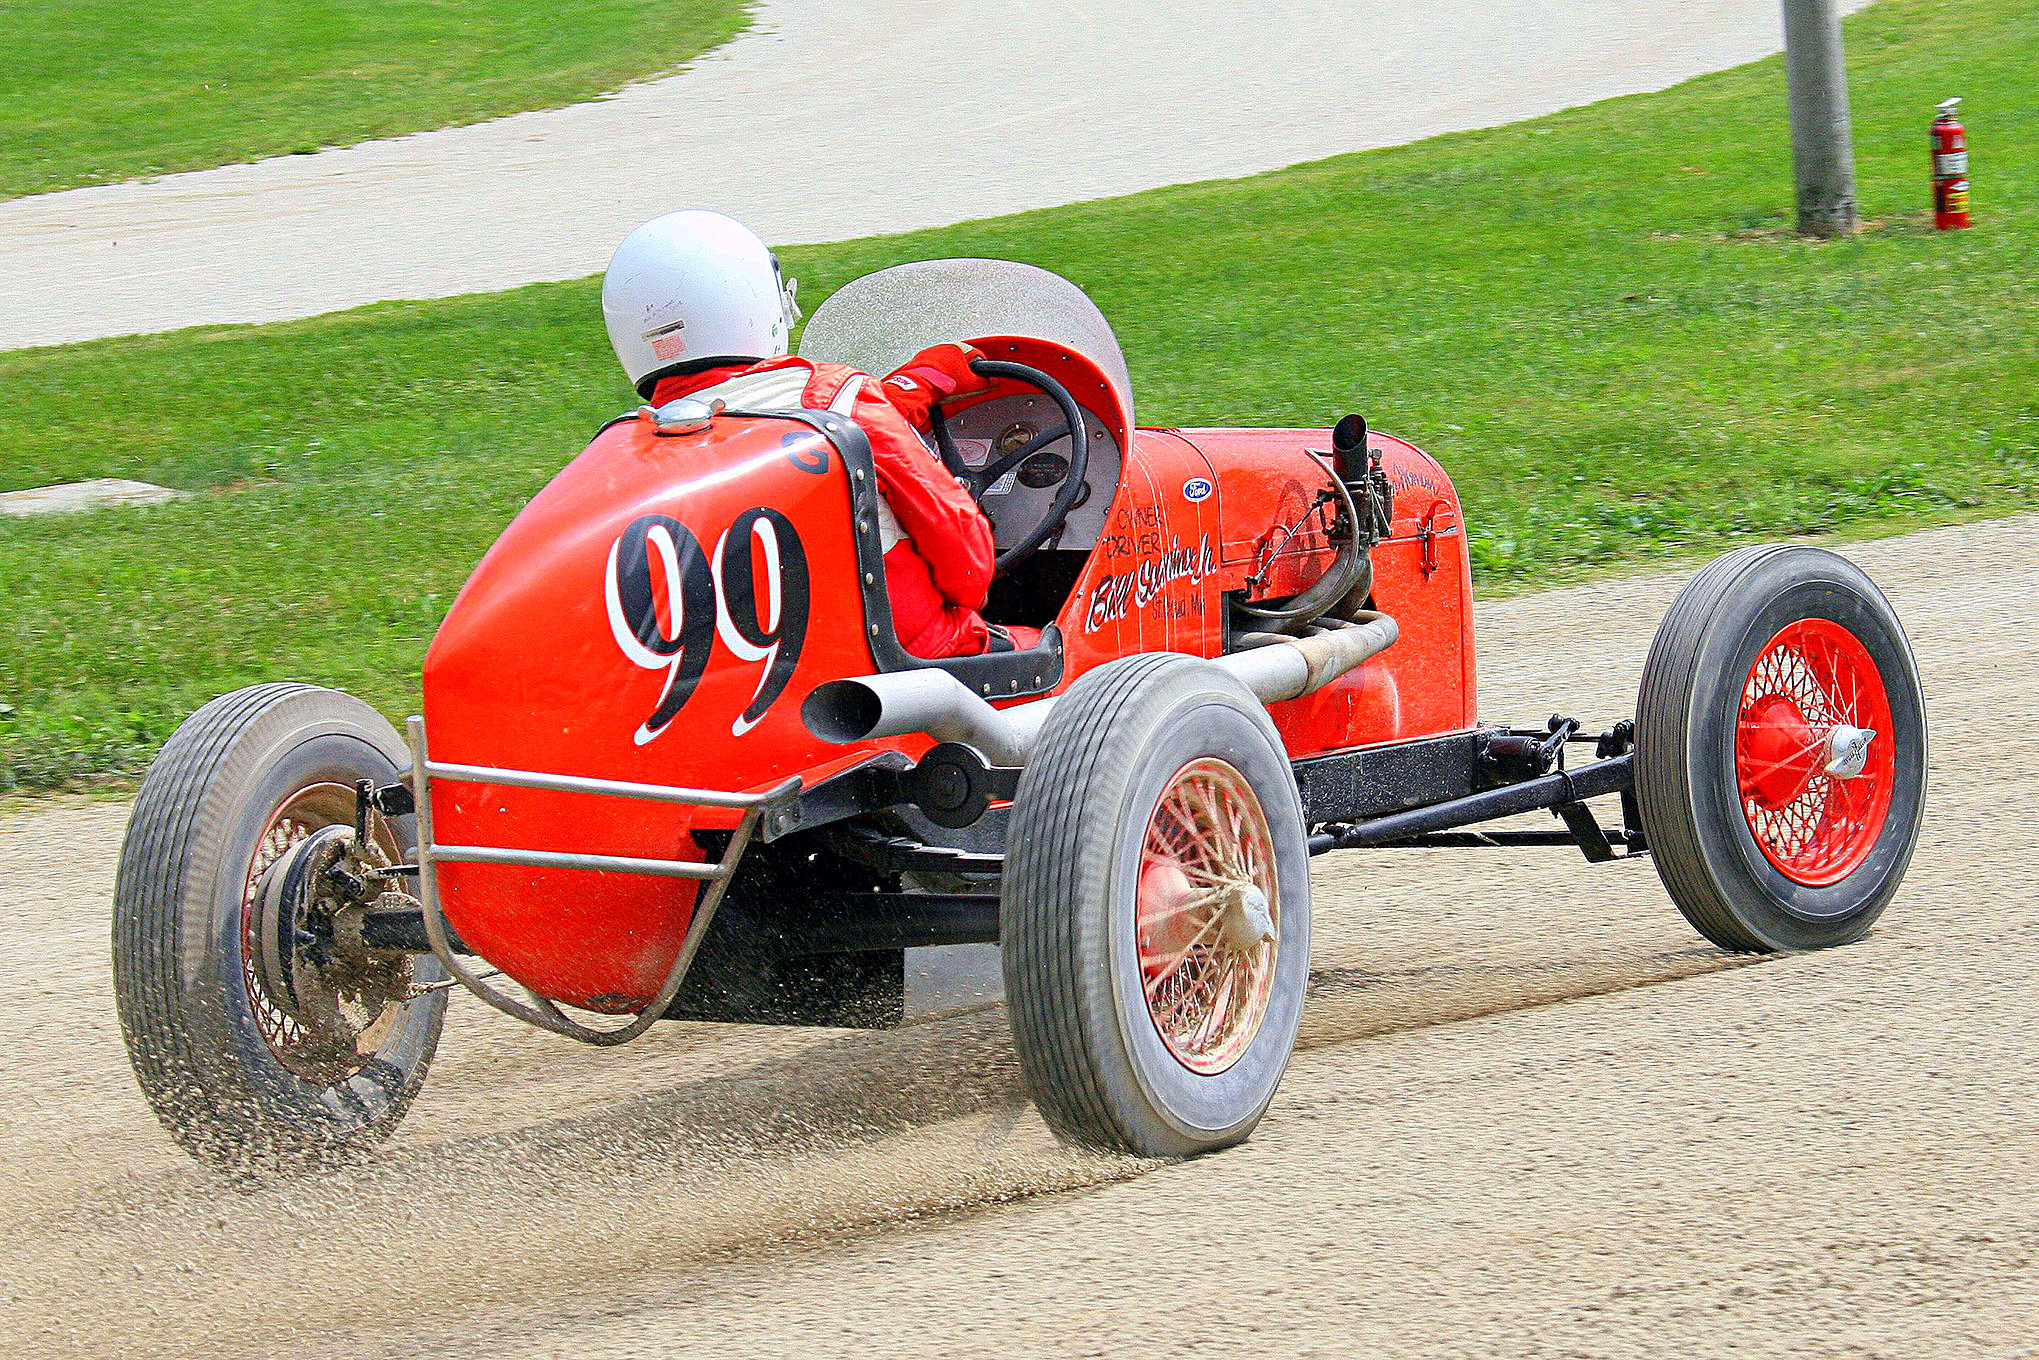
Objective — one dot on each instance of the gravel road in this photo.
(834, 119)
(1534, 1115)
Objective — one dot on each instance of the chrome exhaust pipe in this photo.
(931, 702)
(1276, 666)
(908, 703)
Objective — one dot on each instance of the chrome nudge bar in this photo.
(537, 1010)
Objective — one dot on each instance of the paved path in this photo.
(835, 119)
(1534, 1115)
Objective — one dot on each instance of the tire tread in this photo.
(1041, 947)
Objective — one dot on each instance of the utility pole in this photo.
(1822, 145)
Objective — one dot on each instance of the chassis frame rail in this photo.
(537, 1010)
(1565, 791)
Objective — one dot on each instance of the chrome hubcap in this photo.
(1848, 751)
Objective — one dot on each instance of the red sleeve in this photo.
(945, 525)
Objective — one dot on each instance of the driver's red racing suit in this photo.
(938, 545)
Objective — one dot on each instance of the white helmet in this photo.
(688, 290)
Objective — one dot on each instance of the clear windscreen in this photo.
(878, 322)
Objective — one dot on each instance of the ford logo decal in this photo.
(1196, 488)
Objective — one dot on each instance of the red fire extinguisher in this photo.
(1950, 169)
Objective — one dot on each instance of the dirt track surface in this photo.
(834, 119)
(1534, 1115)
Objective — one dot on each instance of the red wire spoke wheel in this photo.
(1209, 916)
(1780, 760)
(1814, 777)
(1155, 910)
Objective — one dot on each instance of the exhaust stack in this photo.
(1276, 666)
(934, 703)
(906, 703)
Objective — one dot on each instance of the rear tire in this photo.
(1767, 661)
(1154, 1013)
(243, 778)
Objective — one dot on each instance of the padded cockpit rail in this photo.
(996, 675)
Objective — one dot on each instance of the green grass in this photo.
(92, 90)
(1596, 320)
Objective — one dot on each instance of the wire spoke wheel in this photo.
(1815, 813)
(1155, 910)
(1780, 757)
(1209, 916)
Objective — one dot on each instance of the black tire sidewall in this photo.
(1782, 589)
(1207, 1109)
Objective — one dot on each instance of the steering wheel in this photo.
(981, 479)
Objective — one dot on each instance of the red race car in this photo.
(675, 764)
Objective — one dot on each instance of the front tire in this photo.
(1155, 910)
(1774, 822)
(246, 1081)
